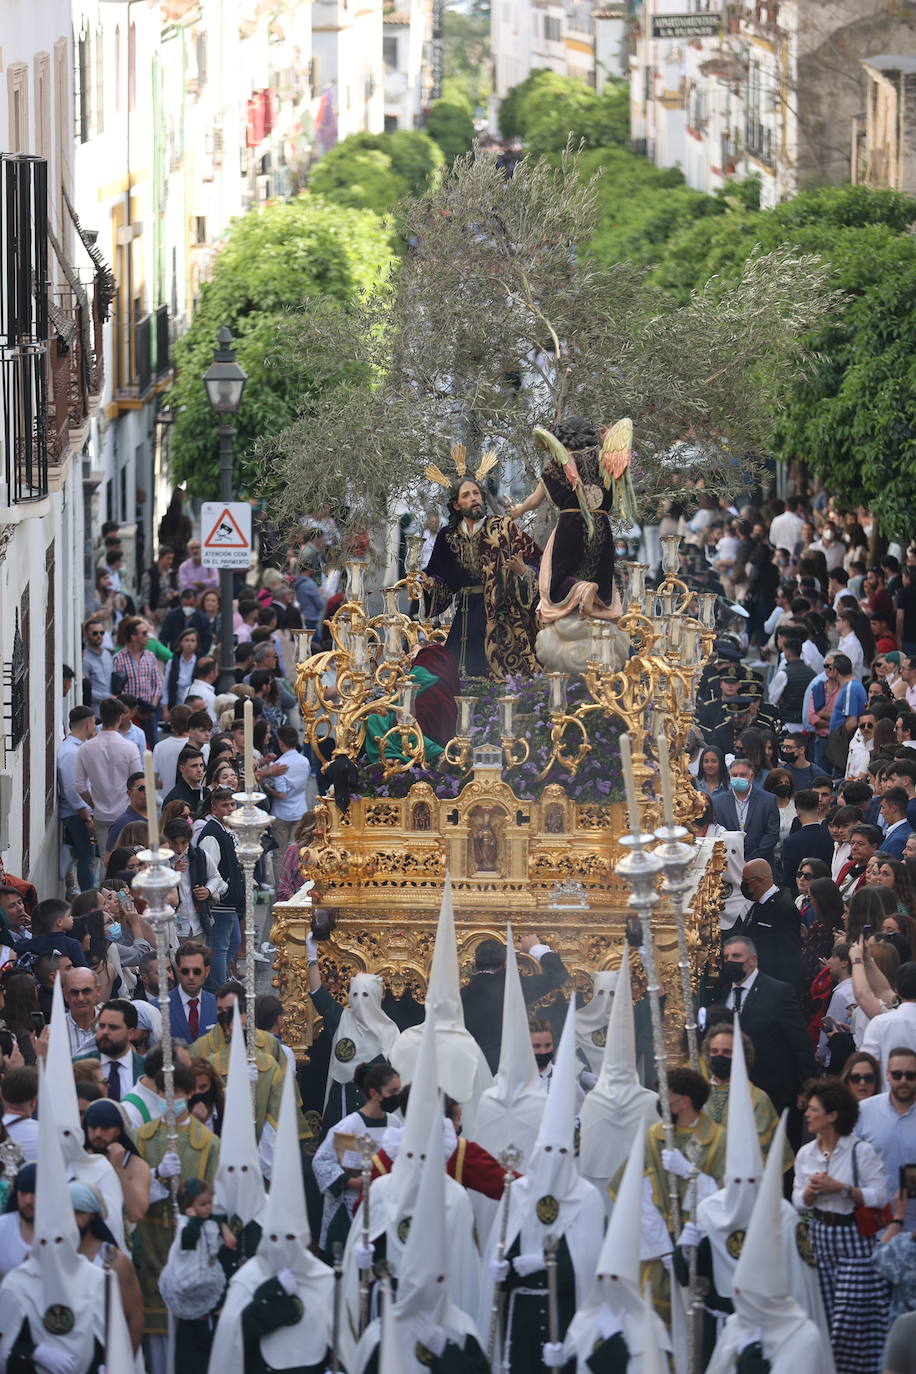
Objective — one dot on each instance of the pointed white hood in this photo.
(61, 1085)
(424, 1110)
(423, 1267)
(89, 1168)
(552, 1172)
(239, 1182)
(760, 1285)
(729, 1209)
(364, 1031)
(592, 1019)
(463, 1071)
(56, 1244)
(286, 1234)
(616, 1283)
(510, 1110)
(618, 1108)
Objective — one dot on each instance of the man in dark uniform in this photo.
(482, 998)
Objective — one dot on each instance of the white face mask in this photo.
(188, 610)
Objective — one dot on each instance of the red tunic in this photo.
(469, 1164)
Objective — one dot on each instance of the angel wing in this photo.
(562, 456)
(616, 452)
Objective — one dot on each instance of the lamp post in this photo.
(224, 382)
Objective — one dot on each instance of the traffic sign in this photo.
(226, 528)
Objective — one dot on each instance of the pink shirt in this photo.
(103, 770)
(190, 574)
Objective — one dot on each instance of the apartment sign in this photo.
(686, 26)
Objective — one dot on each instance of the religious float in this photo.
(559, 802)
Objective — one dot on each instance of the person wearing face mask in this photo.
(718, 1053)
(749, 809)
(773, 923)
(783, 1059)
(266, 1071)
(337, 1163)
(196, 1155)
(362, 1032)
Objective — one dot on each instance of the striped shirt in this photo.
(141, 675)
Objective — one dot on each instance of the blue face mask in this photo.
(740, 785)
(113, 931)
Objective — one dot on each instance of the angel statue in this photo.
(587, 478)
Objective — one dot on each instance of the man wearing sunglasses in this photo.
(888, 1120)
(894, 1030)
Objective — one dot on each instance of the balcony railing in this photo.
(23, 328)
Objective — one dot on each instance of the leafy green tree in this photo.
(849, 414)
(546, 110)
(277, 262)
(452, 127)
(512, 105)
(358, 178)
(414, 157)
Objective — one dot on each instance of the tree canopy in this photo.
(547, 110)
(277, 262)
(452, 127)
(495, 322)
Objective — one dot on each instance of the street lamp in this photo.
(224, 382)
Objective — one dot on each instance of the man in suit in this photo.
(893, 806)
(771, 1015)
(114, 1031)
(482, 998)
(773, 923)
(192, 1010)
(810, 841)
(749, 809)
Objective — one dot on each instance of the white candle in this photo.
(152, 815)
(629, 783)
(664, 775)
(248, 716)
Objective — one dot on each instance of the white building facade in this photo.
(406, 53)
(764, 88)
(349, 75)
(50, 366)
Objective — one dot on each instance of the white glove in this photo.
(311, 947)
(529, 1264)
(287, 1281)
(498, 1270)
(169, 1165)
(252, 1073)
(552, 1355)
(690, 1236)
(587, 1080)
(431, 1335)
(363, 1255)
(54, 1360)
(675, 1163)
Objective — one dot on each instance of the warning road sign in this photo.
(226, 527)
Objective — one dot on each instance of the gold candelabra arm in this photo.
(515, 751)
(415, 753)
(458, 752)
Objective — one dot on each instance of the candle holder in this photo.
(671, 554)
(154, 882)
(458, 750)
(640, 869)
(356, 579)
(675, 858)
(414, 553)
(515, 751)
(249, 822)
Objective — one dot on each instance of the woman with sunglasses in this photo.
(808, 870)
(826, 927)
(834, 1174)
(862, 1075)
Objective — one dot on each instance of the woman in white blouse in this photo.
(834, 1174)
